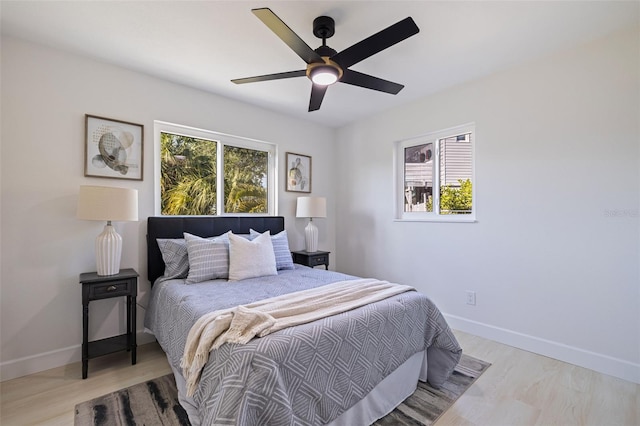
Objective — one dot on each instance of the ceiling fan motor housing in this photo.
(325, 50)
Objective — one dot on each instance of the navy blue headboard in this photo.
(202, 226)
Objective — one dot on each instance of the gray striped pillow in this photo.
(280, 249)
(208, 258)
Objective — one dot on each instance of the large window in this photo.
(434, 176)
(202, 172)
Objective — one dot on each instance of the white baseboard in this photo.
(601, 363)
(594, 361)
(40, 362)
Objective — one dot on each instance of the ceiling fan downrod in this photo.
(324, 27)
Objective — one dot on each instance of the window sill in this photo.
(441, 219)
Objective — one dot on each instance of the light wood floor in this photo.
(520, 388)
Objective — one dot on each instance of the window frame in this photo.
(399, 173)
(222, 140)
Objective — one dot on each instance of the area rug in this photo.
(156, 402)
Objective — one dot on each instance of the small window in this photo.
(207, 173)
(435, 176)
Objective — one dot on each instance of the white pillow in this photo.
(208, 258)
(280, 249)
(250, 259)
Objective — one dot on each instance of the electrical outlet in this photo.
(471, 297)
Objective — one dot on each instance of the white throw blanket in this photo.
(240, 324)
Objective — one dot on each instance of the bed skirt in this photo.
(382, 399)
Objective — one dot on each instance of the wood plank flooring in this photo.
(520, 388)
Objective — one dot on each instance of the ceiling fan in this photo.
(325, 66)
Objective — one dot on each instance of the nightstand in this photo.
(311, 258)
(97, 287)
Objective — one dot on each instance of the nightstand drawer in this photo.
(110, 289)
(321, 259)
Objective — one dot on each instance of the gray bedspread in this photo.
(303, 375)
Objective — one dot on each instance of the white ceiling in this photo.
(205, 44)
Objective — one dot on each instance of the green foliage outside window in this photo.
(454, 200)
(245, 171)
(188, 181)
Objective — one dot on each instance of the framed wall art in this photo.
(298, 172)
(113, 148)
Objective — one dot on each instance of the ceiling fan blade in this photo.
(367, 81)
(317, 94)
(267, 77)
(376, 43)
(287, 35)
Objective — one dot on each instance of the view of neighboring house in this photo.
(455, 166)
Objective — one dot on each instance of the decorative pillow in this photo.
(280, 249)
(250, 259)
(174, 254)
(208, 258)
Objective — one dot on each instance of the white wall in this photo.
(554, 256)
(45, 95)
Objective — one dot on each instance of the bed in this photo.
(351, 368)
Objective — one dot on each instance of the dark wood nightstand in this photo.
(311, 258)
(96, 287)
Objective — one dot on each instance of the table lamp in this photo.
(311, 207)
(110, 204)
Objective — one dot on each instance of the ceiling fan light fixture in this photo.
(324, 75)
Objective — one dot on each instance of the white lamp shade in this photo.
(311, 207)
(107, 203)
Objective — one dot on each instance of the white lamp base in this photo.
(108, 251)
(311, 237)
